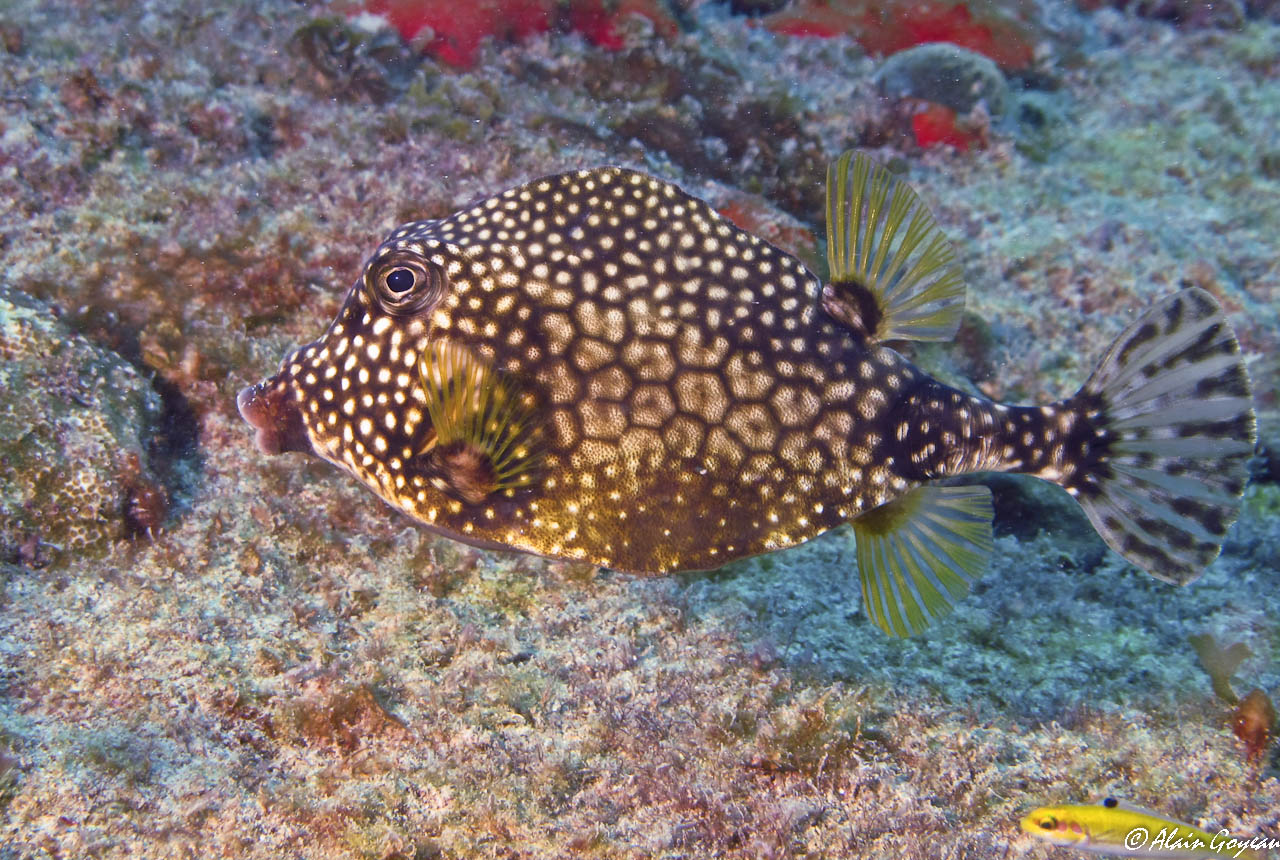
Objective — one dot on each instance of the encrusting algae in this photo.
(598, 366)
(1252, 723)
(1252, 717)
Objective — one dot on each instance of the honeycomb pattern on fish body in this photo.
(598, 366)
(697, 404)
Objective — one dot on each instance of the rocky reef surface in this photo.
(207, 652)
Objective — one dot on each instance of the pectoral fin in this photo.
(486, 433)
(918, 554)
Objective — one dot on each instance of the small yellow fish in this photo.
(598, 366)
(1124, 830)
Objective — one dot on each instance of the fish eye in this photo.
(401, 279)
(405, 284)
(1048, 823)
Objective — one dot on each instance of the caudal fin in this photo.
(1174, 429)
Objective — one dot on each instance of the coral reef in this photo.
(947, 75)
(1000, 31)
(352, 62)
(935, 124)
(285, 668)
(947, 94)
(1191, 13)
(454, 32)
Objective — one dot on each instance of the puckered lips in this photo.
(270, 410)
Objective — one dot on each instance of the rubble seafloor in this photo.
(244, 656)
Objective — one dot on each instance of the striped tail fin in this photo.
(1173, 431)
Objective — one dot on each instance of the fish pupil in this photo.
(400, 280)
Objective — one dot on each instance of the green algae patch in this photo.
(117, 752)
(1263, 501)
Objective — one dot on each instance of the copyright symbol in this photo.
(1135, 838)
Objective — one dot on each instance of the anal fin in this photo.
(918, 554)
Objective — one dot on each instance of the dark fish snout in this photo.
(269, 409)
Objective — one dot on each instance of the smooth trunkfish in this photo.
(598, 366)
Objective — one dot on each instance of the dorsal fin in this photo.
(1118, 803)
(894, 275)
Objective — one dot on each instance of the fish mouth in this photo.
(268, 408)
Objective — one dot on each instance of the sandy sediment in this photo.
(265, 661)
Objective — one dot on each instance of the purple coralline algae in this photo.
(209, 653)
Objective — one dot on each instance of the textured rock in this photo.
(946, 74)
(292, 670)
(72, 443)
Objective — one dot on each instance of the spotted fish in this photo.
(598, 366)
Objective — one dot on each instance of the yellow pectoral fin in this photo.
(486, 429)
(918, 554)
